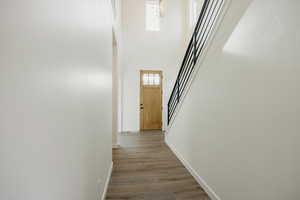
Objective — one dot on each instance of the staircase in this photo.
(202, 32)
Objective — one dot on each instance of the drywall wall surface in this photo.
(238, 126)
(55, 99)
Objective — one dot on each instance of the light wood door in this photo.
(150, 100)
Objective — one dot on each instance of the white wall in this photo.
(163, 50)
(55, 99)
(239, 126)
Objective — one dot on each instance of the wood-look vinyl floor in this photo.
(146, 169)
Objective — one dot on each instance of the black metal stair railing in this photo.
(202, 31)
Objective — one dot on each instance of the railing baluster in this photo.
(195, 49)
(178, 92)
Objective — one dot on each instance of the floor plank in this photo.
(146, 169)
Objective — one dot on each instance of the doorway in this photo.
(116, 91)
(150, 100)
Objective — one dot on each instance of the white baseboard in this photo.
(107, 181)
(197, 177)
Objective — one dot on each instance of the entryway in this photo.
(150, 100)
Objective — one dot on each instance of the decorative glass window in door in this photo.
(151, 79)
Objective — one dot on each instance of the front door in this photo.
(150, 100)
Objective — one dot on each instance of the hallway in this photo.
(146, 169)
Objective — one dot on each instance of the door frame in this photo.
(141, 95)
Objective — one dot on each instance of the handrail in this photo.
(207, 18)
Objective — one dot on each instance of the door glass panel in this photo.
(145, 79)
(151, 79)
(156, 79)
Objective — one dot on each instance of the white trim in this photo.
(107, 181)
(207, 46)
(211, 193)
